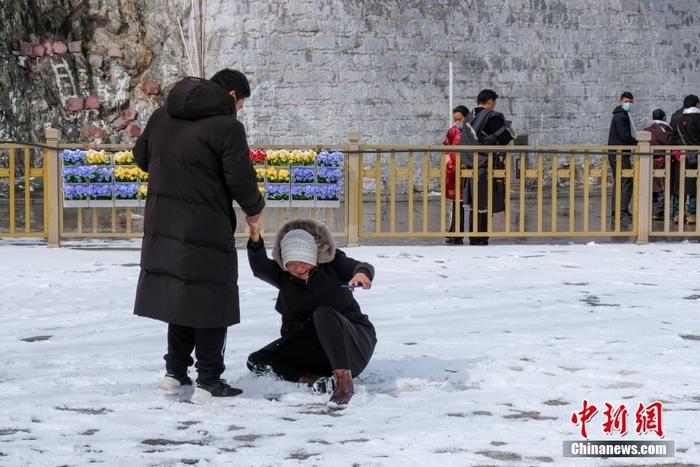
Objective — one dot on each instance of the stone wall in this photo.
(321, 68)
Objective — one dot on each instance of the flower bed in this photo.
(132, 174)
(100, 179)
(284, 158)
(258, 156)
(329, 175)
(286, 178)
(72, 157)
(330, 159)
(123, 158)
(303, 174)
(299, 178)
(328, 192)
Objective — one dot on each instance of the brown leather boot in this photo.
(344, 389)
(308, 379)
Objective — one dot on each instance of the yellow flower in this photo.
(124, 158)
(96, 157)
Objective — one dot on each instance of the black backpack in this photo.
(472, 134)
(472, 128)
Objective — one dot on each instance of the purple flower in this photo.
(126, 190)
(72, 157)
(72, 192)
(101, 191)
(82, 191)
(102, 174)
(301, 175)
(277, 191)
(332, 159)
(87, 173)
(329, 175)
(329, 192)
(303, 192)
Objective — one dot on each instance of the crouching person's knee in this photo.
(324, 315)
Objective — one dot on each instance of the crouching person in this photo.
(326, 340)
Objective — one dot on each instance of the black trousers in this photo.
(326, 342)
(209, 345)
(626, 185)
(482, 219)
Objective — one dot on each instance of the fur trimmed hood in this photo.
(323, 236)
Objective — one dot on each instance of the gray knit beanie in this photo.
(298, 245)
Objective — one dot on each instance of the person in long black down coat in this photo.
(197, 158)
(326, 339)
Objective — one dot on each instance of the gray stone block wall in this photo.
(322, 68)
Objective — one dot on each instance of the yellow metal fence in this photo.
(23, 212)
(398, 191)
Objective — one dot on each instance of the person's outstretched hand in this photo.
(361, 279)
(254, 225)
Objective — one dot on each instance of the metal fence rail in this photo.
(418, 172)
(23, 210)
(398, 192)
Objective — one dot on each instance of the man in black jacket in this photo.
(688, 130)
(622, 133)
(689, 101)
(196, 155)
(490, 128)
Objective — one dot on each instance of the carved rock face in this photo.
(84, 68)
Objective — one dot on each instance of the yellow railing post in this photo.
(644, 164)
(354, 191)
(52, 187)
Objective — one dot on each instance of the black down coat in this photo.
(196, 155)
(297, 299)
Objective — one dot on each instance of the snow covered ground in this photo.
(483, 354)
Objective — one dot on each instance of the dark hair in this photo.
(691, 100)
(485, 96)
(627, 95)
(461, 109)
(658, 114)
(232, 80)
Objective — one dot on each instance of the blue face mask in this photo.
(628, 106)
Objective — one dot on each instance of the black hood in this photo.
(618, 109)
(195, 98)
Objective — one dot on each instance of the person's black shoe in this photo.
(204, 393)
(479, 241)
(171, 383)
(323, 385)
(454, 241)
(623, 214)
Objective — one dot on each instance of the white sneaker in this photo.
(201, 396)
(171, 385)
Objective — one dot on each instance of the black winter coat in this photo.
(621, 129)
(297, 299)
(490, 133)
(196, 156)
(675, 118)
